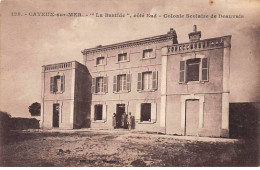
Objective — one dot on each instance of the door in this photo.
(192, 118)
(56, 115)
(120, 109)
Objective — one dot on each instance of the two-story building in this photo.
(168, 87)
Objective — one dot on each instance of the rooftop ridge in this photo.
(154, 39)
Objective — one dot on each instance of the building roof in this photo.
(171, 35)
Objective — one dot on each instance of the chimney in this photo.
(195, 35)
(172, 33)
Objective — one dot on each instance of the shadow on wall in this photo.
(244, 124)
(244, 120)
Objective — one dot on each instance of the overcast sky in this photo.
(27, 42)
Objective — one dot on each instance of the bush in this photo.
(35, 109)
(5, 122)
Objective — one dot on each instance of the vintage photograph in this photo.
(109, 83)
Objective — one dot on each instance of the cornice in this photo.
(127, 44)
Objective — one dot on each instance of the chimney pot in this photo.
(194, 28)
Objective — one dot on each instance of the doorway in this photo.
(120, 109)
(192, 118)
(56, 115)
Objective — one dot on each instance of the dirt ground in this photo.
(120, 148)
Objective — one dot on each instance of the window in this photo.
(146, 112)
(100, 61)
(148, 53)
(57, 84)
(147, 81)
(122, 83)
(193, 70)
(122, 57)
(99, 85)
(98, 112)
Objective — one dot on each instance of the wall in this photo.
(65, 99)
(211, 92)
(134, 66)
(82, 97)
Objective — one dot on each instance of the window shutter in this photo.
(128, 82)
(92, 112)
(104, 112)
(139, 82)
(105, 84)
(182, 71)
(155, 80)
(153, 112)
(115, 84)
(138, 112)
(52, 84)
(93, 87)
(62, 86)
(205, 70)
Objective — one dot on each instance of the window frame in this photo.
(94, 86)
(201, 68)
(153, 83)
(125, 83)
(54, 89)
(121, 83)
(104, 61)
(152, 53)
(150, 119)
(95, 109)
(124, 54)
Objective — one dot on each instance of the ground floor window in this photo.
(145, 112)
(98, 112)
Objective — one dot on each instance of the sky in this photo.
(28, 42)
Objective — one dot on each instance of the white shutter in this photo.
(153, 112)
(104, 112)
(138, 112)
(92, 112)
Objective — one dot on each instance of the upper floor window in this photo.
(148, 54)
(99, 85)
(147, 81)
(122, 83)
(194, 70)
(100, 61)
(122, 57)
(57, 84)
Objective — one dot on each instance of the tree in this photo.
(35, 109)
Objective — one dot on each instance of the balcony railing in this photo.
(58, 66)
(197, 46)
